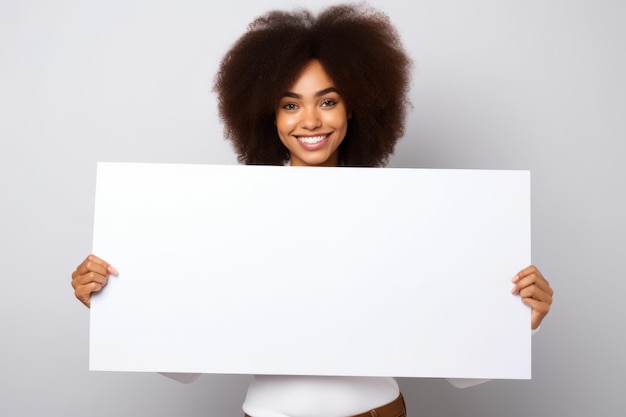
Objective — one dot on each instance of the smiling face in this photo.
(312, 119)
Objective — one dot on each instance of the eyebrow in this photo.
(318, 94)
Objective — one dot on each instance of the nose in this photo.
(311, 119)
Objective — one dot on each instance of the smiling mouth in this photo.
(311, 140)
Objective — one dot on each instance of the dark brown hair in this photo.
(361, 52)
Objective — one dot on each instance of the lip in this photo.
(313, 142)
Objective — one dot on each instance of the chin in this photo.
(316, 161)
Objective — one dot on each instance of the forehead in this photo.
(312, 79)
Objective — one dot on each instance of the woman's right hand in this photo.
(91, 276)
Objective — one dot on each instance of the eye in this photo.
(290, 106)
(328, 103)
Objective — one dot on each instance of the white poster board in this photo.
(311, 271)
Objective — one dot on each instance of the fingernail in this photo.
(515, 278)
(112, 270)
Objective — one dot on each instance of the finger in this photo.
(95, 273)
(90, 261)
(85, 286)
(530, 272)
(90, 277)
(535, 293)
(530, 269)
(530, 276)
(532, 288)
(537, 306)
(532, 281)
(83, 292)
(94, 263)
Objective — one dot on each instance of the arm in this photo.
(91, 276)
(535, 292)
(470, 382)
(184, 378)
(466, 382)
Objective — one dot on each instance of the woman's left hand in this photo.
(535, 292)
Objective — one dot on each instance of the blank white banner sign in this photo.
(311, 271)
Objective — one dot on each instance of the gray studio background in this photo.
(533, 85)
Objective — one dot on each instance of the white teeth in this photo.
(311, 140)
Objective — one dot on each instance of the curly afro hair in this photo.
(358, 48)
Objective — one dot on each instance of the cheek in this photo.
(338, 120)
(284, 123)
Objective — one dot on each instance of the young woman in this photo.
(325, 90)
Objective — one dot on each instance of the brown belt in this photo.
(396, 408)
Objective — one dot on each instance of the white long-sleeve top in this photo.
(328, 396)
(315, 396)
